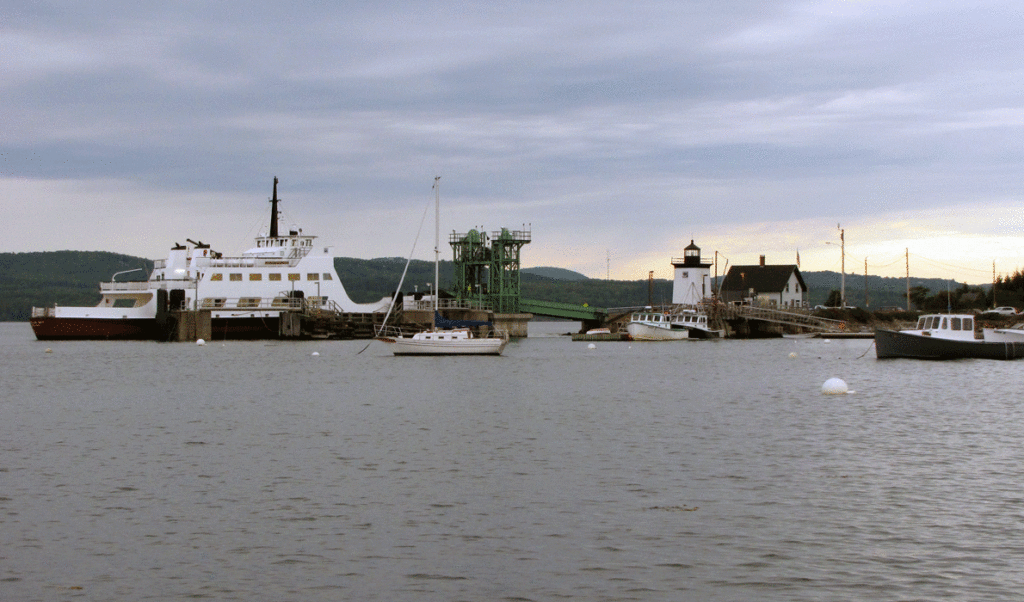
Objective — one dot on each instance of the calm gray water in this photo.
(643, 471)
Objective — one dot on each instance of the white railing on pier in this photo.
(427, 304)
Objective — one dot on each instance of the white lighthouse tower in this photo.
(692, 282)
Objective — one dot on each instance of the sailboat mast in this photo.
(437, 245)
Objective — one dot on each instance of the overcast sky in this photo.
(615, 131)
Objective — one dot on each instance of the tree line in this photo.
(71, 278)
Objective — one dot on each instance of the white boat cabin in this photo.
(681, 319)
(946, 326)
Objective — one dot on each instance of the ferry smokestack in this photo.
(273, 211)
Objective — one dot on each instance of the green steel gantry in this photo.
(487, 267)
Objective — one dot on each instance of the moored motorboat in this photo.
(943, 337)
(651, 325)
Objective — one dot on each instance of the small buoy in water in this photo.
(315, 353)
(792, 354)
(48, 350)
(827, 341)
(591, 346)
(200, 342)
(835, 386)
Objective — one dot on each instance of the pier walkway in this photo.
(800, 319)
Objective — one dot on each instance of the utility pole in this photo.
(994, 304)
(842, 263)
(715, 287)
(908, 278)
(867, 303)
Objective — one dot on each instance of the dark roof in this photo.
(761, 278)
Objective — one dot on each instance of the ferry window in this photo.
(218, 277)
(945, 326)
(235, 277)
(275, 277)
(968, 323)
(249, 302)
(954, 323)
(327, 276)
(294, 277)
(312, 276)
(255, 276)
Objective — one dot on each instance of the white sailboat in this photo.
(448, 341)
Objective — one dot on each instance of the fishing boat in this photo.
(650, 325)
(246, 295)
(943, 337)
(445, 337)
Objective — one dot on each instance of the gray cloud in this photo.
(567, 114)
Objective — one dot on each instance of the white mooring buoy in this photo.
(835, 386)
(792, 354)
(315, 354)
(200, 342)
(591, 346)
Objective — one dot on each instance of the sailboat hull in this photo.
(416, 346)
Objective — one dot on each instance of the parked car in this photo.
(1003, 311)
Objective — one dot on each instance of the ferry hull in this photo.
(69, 329)
(895, 344)
(249, 328)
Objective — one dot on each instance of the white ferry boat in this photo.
(246, 294)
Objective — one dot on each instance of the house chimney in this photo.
(762, 261)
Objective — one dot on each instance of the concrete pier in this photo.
(192, 325)
(517, 325)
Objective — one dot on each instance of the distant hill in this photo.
(881, 291)
(555, 273)
(72, 277)
(66, 277)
